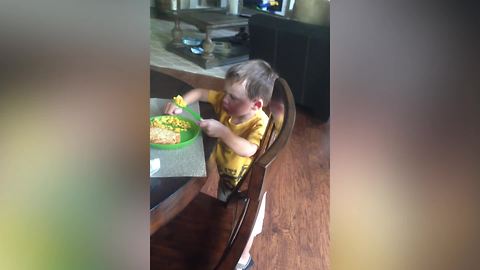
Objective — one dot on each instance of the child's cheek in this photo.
(233, 111)
(238, 110)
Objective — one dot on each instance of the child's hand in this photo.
(171, 108)
(213, 128)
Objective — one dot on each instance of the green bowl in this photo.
(186, 137)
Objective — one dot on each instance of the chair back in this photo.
(282, 119)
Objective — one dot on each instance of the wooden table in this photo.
(170, 195)
(207, 20)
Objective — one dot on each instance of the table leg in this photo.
(177, 33)
(208, 46)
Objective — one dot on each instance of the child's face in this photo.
(236, 101)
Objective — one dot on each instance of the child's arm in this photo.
(197, 94)
(239, 145)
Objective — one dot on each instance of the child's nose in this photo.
(226, 100)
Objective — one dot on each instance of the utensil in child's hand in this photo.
(179, 102)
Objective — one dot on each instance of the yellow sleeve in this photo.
(256, 133)
(215, 98)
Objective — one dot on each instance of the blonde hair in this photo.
(259, 78)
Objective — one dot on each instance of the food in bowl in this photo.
(163, 136)
(170, 122)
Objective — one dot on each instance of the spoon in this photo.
(193, 113)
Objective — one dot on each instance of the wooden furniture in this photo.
(210, 234)
(207, 20)
(300, 53)
(170, 195)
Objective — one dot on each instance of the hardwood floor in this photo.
(296, 227)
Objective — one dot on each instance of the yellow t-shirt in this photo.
(231, 166)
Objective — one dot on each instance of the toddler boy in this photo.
(242, 122)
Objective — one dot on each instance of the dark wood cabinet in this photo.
(300, 53)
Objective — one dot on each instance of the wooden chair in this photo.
(210, 234)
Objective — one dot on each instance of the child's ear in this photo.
(258, 104)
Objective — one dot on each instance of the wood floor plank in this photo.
(296, 227)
